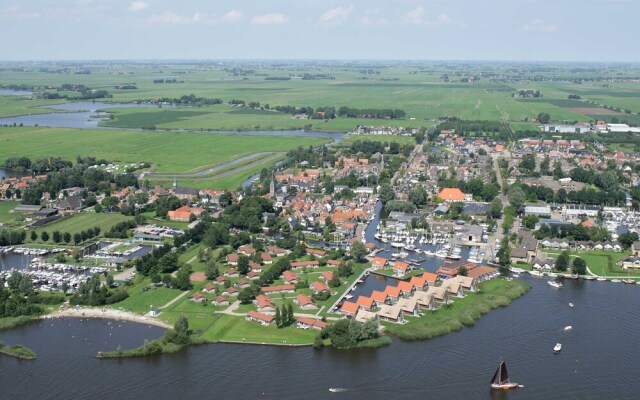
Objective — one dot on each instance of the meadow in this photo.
(76, 223)
(168, 152)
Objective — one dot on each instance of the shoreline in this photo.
(106, 313)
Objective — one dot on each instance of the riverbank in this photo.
(106, 313)
(17, 351)
(15, 322)
(462, 312)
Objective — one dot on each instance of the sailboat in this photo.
(501, 380)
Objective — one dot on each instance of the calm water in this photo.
(5, 173)
(598, 360)
(9, 92)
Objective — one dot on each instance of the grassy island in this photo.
(462, 312)
(17, 351)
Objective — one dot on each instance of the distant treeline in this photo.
(84, 93)
(39, 166)
(174, 80)
(474, 128)
(382, 113)
(190, 100)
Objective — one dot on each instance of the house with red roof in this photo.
(232, 258)
(451, 195)
(290, 277)
(379, 263)
(264, 303)
(305, 302)
(318, 287)
(349, 308)
(306, 323)
(400, 268)
(199, 297)
(278, 289)
(261, 318)
(221, 301)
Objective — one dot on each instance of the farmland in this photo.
(168, 152)
(76, 223)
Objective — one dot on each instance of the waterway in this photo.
(6, 173)
(598, 360)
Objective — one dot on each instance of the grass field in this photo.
(6, 214)
(168, 152)
(80, 222)
(463, 312)
(140, 301)
(238, 329)
(601, 262)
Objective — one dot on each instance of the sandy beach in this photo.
(107, 313)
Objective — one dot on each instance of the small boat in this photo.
(555, 284)
(336, 390)
(568, 328)
(616, 280)
(571, 305)
(557, 348)
(501, 380)
(629, 281)
(601, 279)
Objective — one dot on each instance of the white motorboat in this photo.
(568, 328)
(555, 284)
(571, 305)
(557, 348)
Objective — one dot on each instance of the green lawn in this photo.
(601, 262)
(141, 301)
(168, 152)
(7, 216)
(79, 222)
(463, 312)
(238, 329)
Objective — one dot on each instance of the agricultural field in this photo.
(168, 152)
(7, 216)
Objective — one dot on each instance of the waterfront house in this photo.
(400, 268)
(365, 303)
(482, 273)
(440, 294)
(379, 298)
(391, 313)
(425, 300)
(409, 306)
(261, 318)
(304, 302)
(406, 288)
(349, 309)
(393, 293)
(306, 323)
(467, 282)
(419, 283)
(454, 288)
(364, 316)
(379, 263)
(431, 278)
(264, 303)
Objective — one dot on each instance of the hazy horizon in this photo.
(596, 31)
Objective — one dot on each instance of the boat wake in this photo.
(337, 390)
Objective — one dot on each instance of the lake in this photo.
(599, 358)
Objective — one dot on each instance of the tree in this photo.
(290, 316)
(44, 236)
(627, 239)
(211, 270)
(34, 236)
(418, 196)
(579, 266)
(335, 281)
(77, 238)
(278, 318)
(496, 208)
(57, 237)
(463, 271)
(318, 343)
(182, 278)
(544, 118)
(386, 193)
(359, 251)
(517, 197)
(243, 264)
(109, 280)
(562, 262)
(181, 331)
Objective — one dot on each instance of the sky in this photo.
(527, 30)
